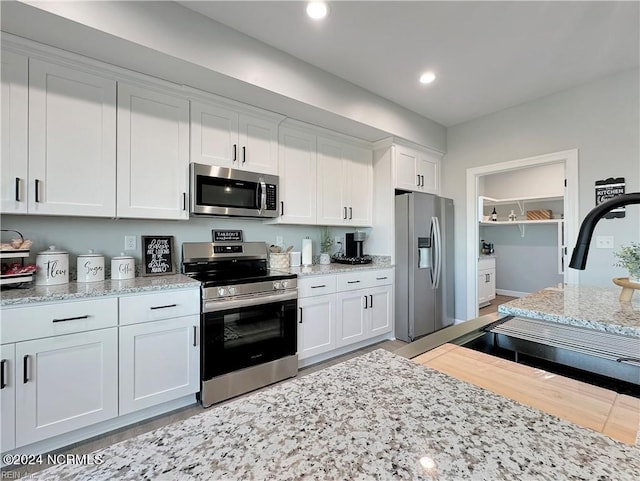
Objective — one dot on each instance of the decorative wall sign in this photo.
(157, 255)
(227, 235)
(608, 189)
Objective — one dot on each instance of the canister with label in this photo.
(52, 267)
(123, 267)
(90, 267)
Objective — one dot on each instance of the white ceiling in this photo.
(488, 55)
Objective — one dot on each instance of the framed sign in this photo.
(157, 255)
(227, 235)
(608, 189)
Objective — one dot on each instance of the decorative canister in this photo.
(52, 267)
(279, 260)
(123, 267)
(90, 267)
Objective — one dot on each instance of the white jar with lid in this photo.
(123, 267)
(90, 267)
(52, 267)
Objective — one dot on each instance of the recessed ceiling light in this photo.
(427, 77)
(317, 10)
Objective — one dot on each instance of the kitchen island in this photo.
(377, 416)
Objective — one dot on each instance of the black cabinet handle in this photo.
(235, 152)
(163, 307)
(345, 213)
(365, 302)
(300, 321)
(195, 333)
(370, 300)
(184, 201)
(64, 319)
(315, 287)
(3, 379)
(244, 154)
(37, 190)
(422, 180)
(17, 189)
(25, 368)
(352, 282)
(282, 207)
(381, 278)
(350, 213)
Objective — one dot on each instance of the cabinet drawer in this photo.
(486, 263)
(349, 281)
(24, 323)
(164, 305)
(316, 286)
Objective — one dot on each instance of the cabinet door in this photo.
(484, 277)
(159, 362)
(153, 154)
(66, 383)
(380, 309)
(258, 144)
(429, 171)
(15, 126)
(7, 397)
(358, 185)
(351, 326)
(332, 204)
(72, 142)
(214, 135)
(406, 168)
(491, 285)
(316, 325)
(297, 171)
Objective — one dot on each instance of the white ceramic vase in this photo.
(325, 259)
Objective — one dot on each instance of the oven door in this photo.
(240, 333)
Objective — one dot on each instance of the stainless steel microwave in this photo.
(219, 191)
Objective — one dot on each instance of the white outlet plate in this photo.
(279, 240)
(604, 242)
(337, 240)
(129, 242)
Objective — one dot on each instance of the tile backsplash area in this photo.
(107, 236)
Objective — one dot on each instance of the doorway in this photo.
(570, 224)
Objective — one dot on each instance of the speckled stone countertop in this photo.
(79, 290)
(584, 306)
(378, 416)
(335, 268)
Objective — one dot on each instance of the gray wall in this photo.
(601, 119)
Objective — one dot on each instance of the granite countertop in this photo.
(377, 416)
(335, 268)
(80, 290)
(584, 306)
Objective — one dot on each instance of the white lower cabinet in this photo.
(343, 309)
(65, 383)
(7, 397)
(158, 362)
(316, 325)
(486, 281)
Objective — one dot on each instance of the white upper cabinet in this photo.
(297, 170)
(345, 183)
(416, 170)
(225, 137)
(72, 141)
(153, 153)
(15, 126)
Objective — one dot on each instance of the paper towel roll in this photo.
(307, 252)
(423, 257)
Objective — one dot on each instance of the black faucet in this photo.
(580, 251)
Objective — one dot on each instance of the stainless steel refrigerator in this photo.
(424, 299)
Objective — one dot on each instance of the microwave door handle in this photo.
(262, 195)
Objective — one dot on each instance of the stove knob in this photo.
(232, 291)
(276, 285)
(221, 291)
(285, 284)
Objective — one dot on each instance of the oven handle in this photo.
(226, 304)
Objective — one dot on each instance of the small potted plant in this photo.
(326, 242)
(629, 258)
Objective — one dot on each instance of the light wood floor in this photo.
(593, 407)
(493, 307)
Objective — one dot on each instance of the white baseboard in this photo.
(504, 292)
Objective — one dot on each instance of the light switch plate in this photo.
(604, 241)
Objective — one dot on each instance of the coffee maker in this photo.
(354, 250)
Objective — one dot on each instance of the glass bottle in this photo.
(494, 215)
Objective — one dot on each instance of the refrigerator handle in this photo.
(437, 247)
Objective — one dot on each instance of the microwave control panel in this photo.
(271, 197)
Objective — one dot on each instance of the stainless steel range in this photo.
(248, 318)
